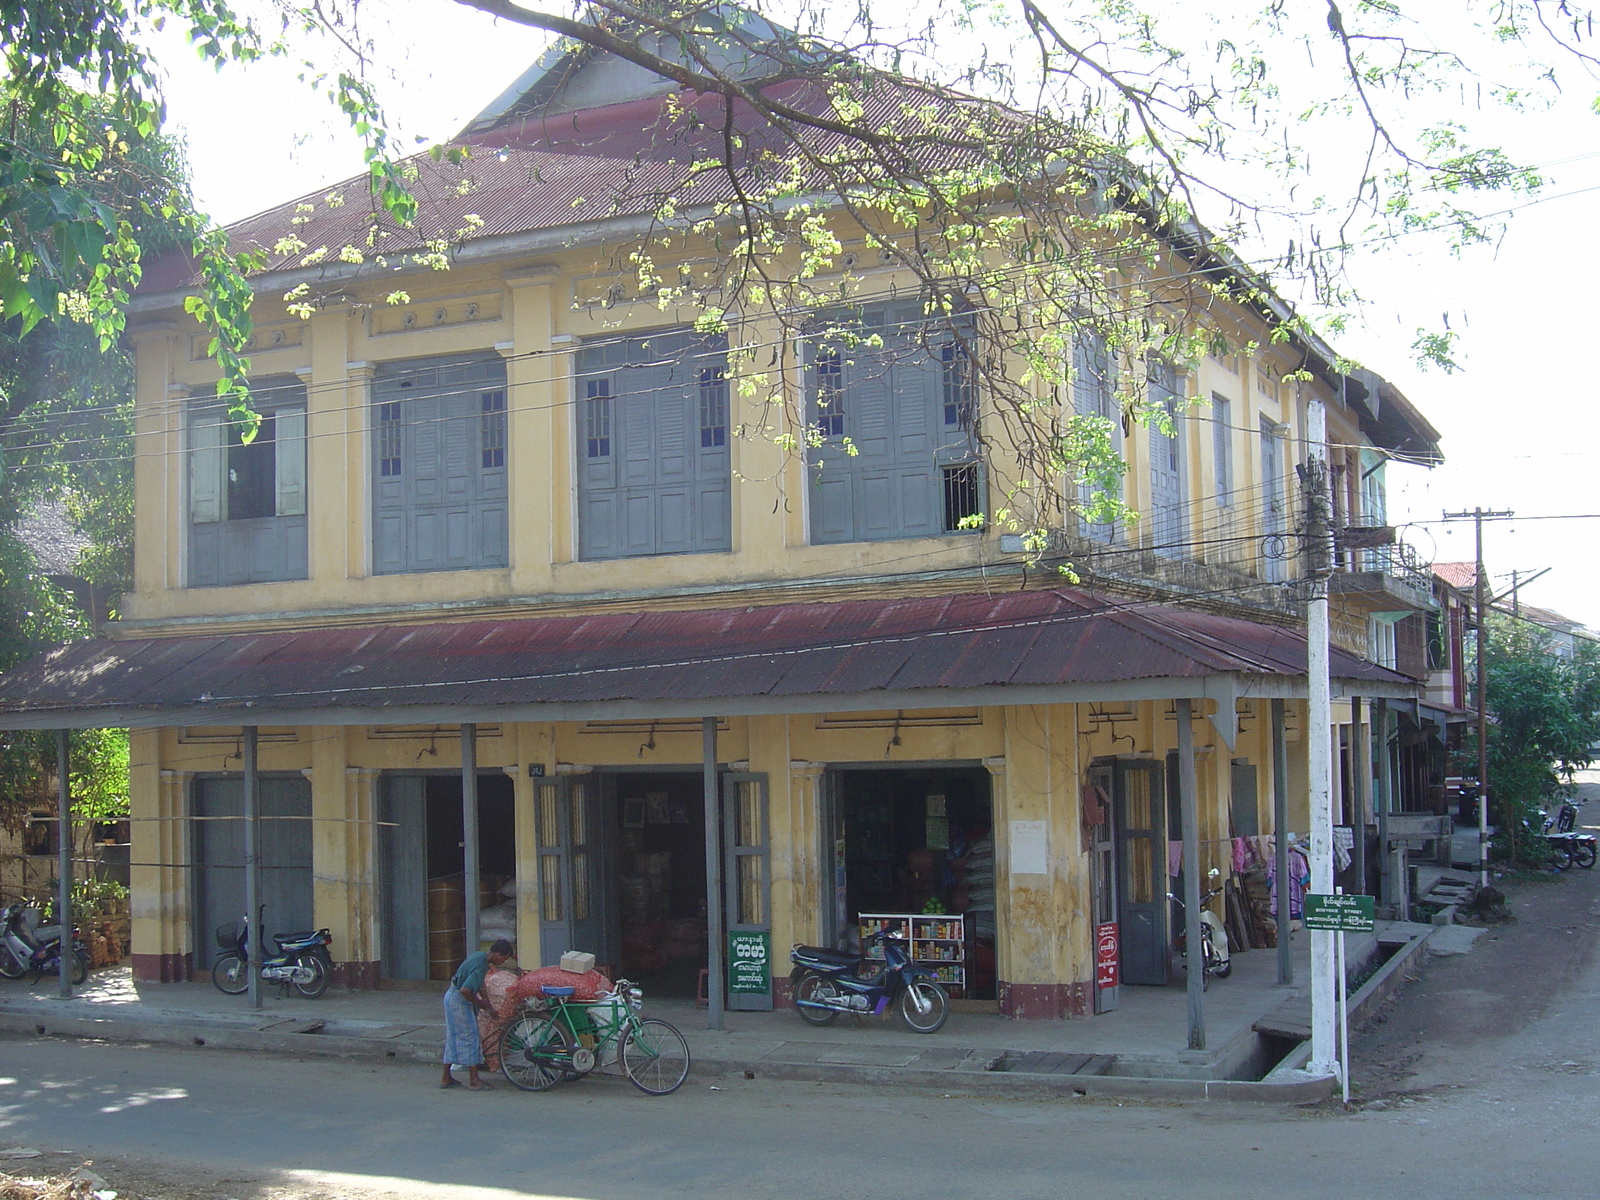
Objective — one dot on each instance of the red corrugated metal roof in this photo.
(807, 653)
(619, 160)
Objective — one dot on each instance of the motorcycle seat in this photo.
(303, 936)
(824, 956)
(46, 933)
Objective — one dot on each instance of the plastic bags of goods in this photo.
(588, 986)
(498, 921)
(497, 985)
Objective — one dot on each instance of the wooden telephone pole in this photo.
(1480, 606)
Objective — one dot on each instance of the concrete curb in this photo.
(421, 1045)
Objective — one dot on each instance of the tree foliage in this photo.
(1544, 713)
(1050, 171)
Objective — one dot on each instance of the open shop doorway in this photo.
(914, 846)
(422, 871)
(659, 878)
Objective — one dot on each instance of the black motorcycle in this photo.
(38, 949)
(829, 982)
(302, 961)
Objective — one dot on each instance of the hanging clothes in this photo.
(1344, 842)
(1242, 859)
(1299, 881)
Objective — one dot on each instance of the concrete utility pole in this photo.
(1480, 606)
(1319, 730)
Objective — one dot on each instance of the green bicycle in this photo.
(567, 1039)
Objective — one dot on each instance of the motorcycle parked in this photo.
(1581, 845)
(1564, 843)
(1215, 959)
(829, 982)
(37, 949)
(302, 961)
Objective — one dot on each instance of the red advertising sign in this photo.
(1106, 955)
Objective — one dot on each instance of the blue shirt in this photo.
(469, 975)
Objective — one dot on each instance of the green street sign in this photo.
(749, 961)
(1341, 914)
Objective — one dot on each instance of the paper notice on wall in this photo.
(1030, 848)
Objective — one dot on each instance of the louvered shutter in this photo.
(208, 458)
(290, 462)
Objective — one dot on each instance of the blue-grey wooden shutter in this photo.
(1275, 513)
(440, 502)
(649, 482)
(1094, 396)
(1166, 520)
(403, 876)
(893, 404)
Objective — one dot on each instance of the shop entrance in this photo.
(422, 870)
(1139, 816)
(657, 824)
(914, 847)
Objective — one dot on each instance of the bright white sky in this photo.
(1520, 425)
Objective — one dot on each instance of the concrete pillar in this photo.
(539, 419)
(161, 923)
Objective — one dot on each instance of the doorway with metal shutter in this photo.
(421, 871)
(218, 857)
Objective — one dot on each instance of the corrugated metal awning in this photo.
(1030, 647)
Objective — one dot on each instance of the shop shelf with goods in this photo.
(936, 940)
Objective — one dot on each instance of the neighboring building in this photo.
(521, 515)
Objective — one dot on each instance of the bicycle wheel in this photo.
(231, 974)
(655, 1057)
(535, 1053)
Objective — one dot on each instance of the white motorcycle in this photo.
(1213, 935)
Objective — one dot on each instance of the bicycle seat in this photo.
(558, 993)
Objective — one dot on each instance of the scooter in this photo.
(1213, 936)
(302, 961)
(37, 949)
(829, 982)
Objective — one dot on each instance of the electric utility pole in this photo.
(1319, 730)
(1480, 606)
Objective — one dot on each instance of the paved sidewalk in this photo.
(1138, 1050)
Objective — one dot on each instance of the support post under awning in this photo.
(1360, 792)
(256, 951)
(1280, 843)
(469, 831)
(64, 859)
(714, 931)
(1189, 814)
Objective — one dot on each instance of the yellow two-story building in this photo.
(549, 626)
